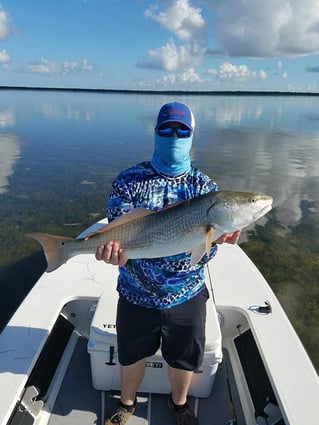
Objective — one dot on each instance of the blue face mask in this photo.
(171, 155)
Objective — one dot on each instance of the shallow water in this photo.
(59, 152)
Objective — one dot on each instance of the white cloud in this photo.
(241, 28)
(4, 24)
(4, 57)
(229, 71)
(45, 66)
(180, 18)
(181, 80)
(256, 28)
(69, 67)
(86, 66)
(172, 57)
(190, 76)
(186, 23)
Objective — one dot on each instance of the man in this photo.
(162, 301)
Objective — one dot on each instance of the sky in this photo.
(196, 45)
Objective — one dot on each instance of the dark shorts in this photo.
(180, 331)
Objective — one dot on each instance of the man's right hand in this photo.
(111, 253)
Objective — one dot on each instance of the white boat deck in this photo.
(238, 290)
(79, 403)
(291, 373)
(25, 335)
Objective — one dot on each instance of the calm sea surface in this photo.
(60, 151)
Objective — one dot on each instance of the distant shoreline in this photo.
(166, 92)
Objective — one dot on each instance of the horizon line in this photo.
(159, 92)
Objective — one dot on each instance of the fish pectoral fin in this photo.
(135, 214)
(209, 239)
(197, 253)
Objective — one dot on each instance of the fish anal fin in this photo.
(53, 247)
(197, 253)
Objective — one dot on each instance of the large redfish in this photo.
(185, 227)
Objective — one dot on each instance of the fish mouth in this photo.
(264, 211)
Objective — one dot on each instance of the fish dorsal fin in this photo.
(199, 251)
(128, 217)
(168, 207)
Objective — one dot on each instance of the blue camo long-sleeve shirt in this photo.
(158, 282)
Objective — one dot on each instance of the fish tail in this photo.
(53, 247)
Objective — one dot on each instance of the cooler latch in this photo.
(110, 362)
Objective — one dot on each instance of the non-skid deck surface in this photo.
(79, 404)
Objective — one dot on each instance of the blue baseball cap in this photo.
(175, 112)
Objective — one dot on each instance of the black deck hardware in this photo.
(261, 309)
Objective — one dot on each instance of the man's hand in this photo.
(111, 253)
(231, 238)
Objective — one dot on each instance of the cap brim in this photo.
(175, 120)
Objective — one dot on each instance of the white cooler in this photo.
(102, 347)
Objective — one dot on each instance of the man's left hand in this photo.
(231, 238)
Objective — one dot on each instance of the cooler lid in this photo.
(103, 324)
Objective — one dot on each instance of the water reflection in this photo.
(267, 144)
(265, 151)
(9, 154)
(271, 162)
(7, 118)
(9, 148)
